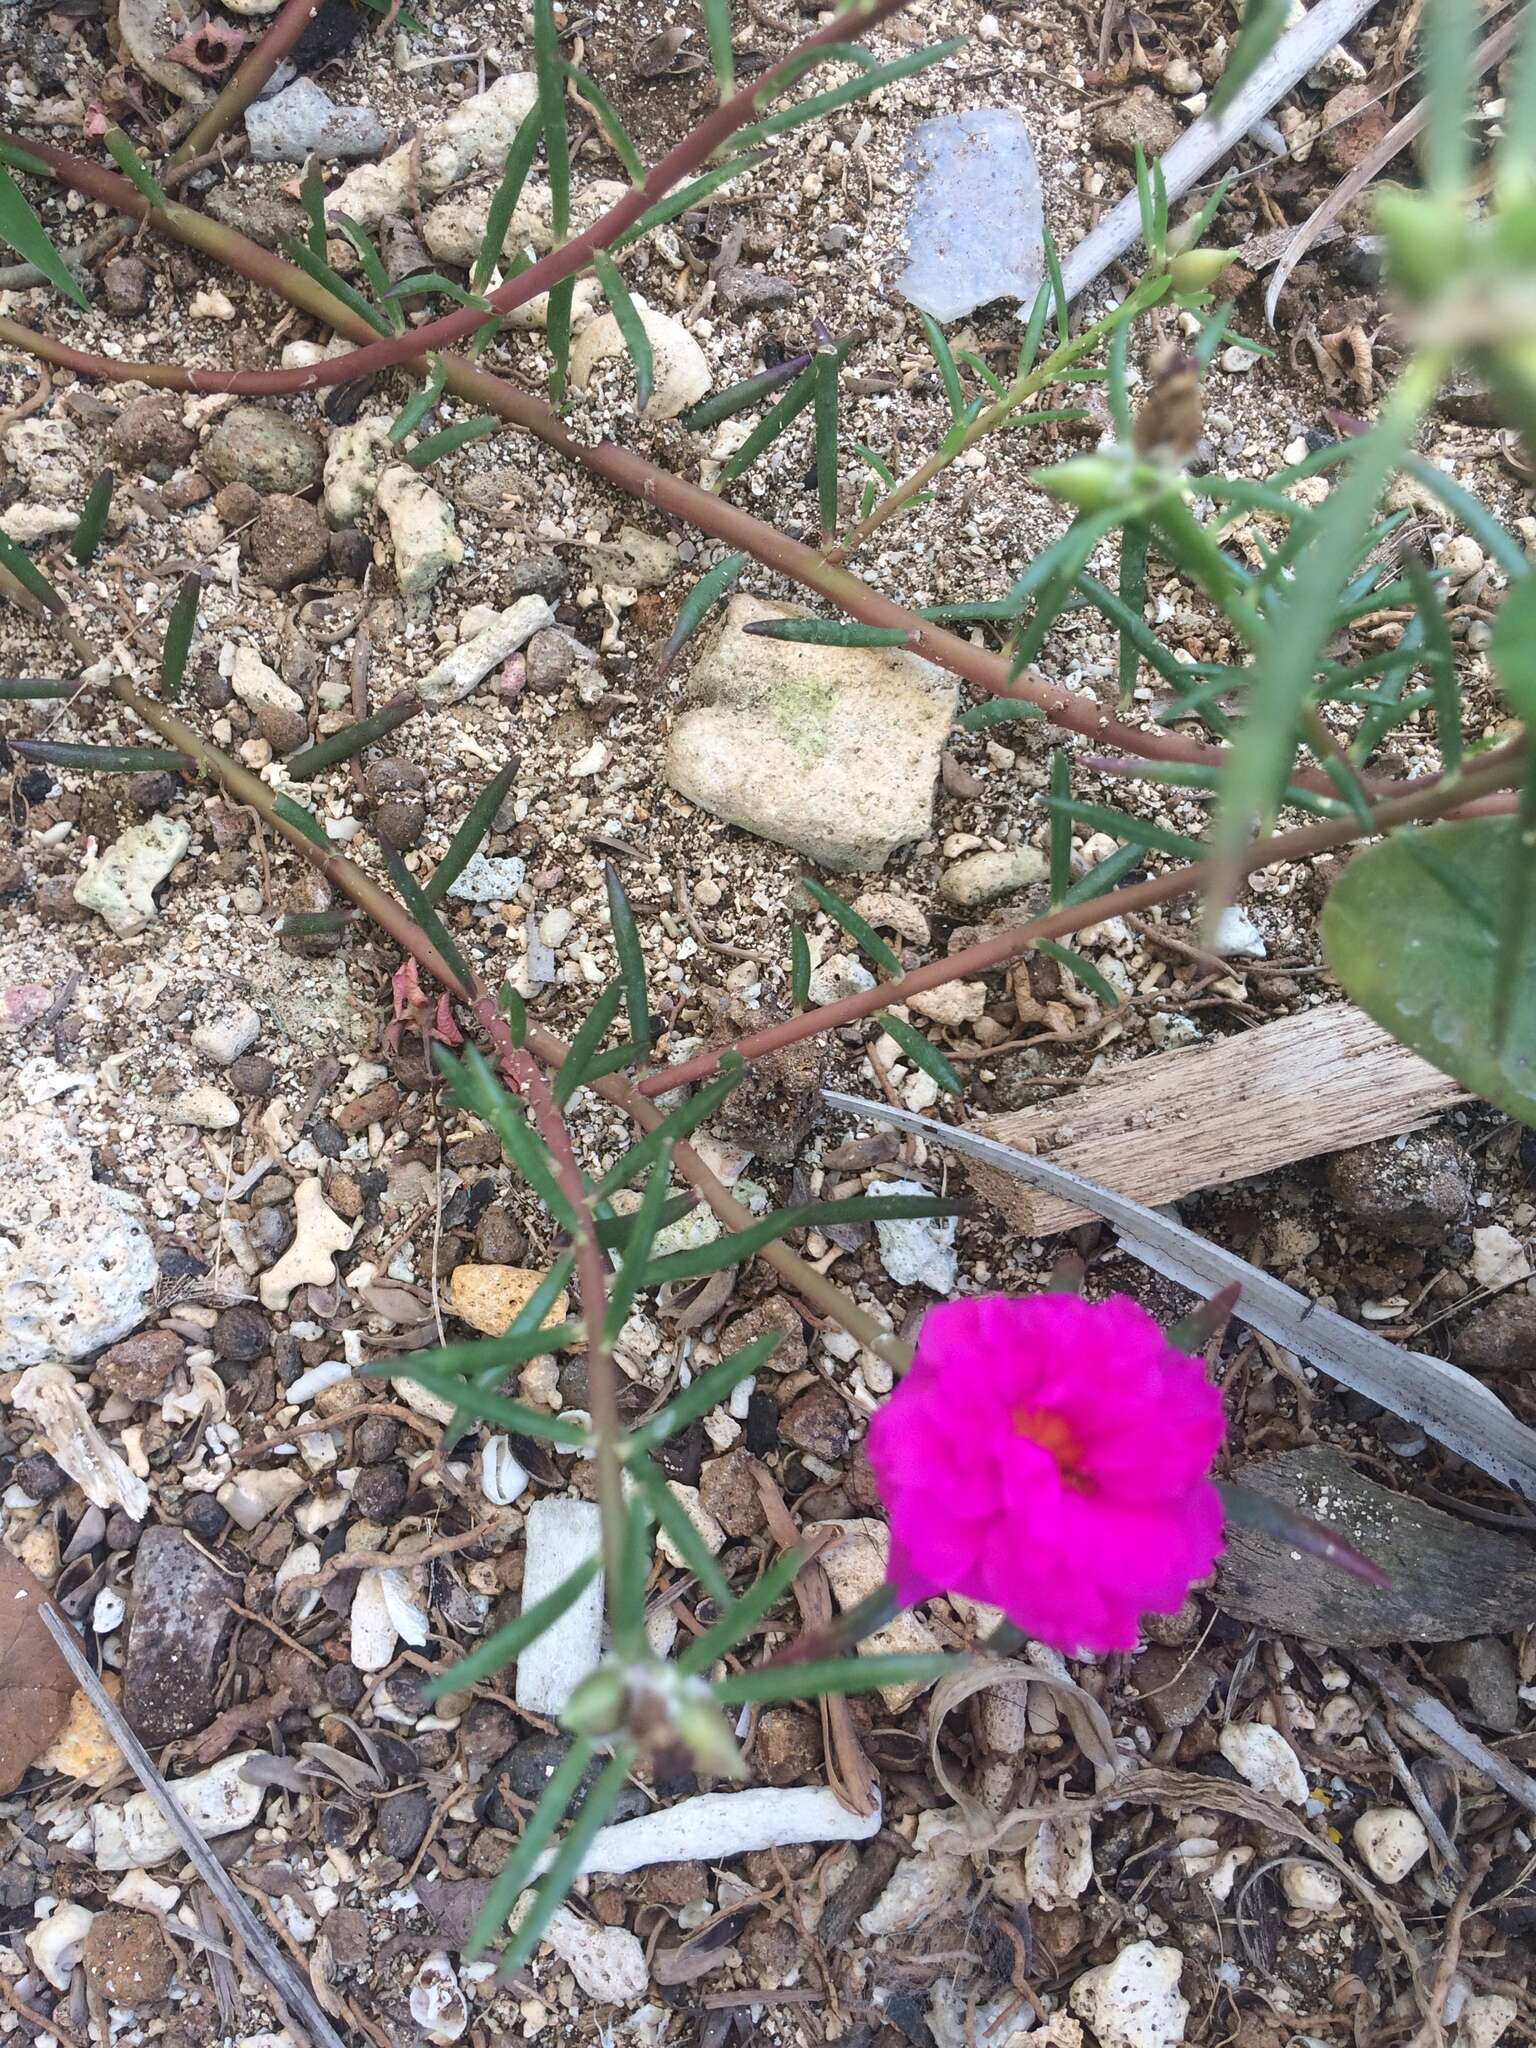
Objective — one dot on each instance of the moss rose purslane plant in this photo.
(1051, 1457)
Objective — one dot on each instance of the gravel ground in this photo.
(207, 1093)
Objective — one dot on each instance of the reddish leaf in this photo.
(35, 1683)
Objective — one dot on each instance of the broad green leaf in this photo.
(675, 1127)
(302, 820)
(312, 194)
(1470, 511)
(920, 1052)
(485, 1406)
(317, 268)
(18, 689)
(859, 929)
(1059, 302)
(773, 423)
(644, 1224)
(1440, 658)
(557, 332)
(1449, 30)
(694, 193)
(1244, 1507)
(997, 711)
(1414, 930)
(631, 326)
(1108, 874)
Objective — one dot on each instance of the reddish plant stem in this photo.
(685, 159)
(1072, 710)
(1493, 773)
(250, 77)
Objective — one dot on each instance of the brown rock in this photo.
(285, 731)
(788, 1746)
(1142, 116)
(817, 1422)
(1412, 1190)
(771, 1111)
(55, 900)
(1499, 1336)
(374, 1106)
(401, 820)
(127, 1959)
(351, 553)
(237, 504)
(500, 1239)
(776, 1316)
(180, 1619)
(185, 491)
(1173, 1685)
(394, 775)
(150, 436)
(242, 1334)
(1352, 126)
(139, 1367)
(125, 281)
(728, 1489)
(677, 1884)
(13, 876)
(286, 543)
(770, 1950)
(765, 1867)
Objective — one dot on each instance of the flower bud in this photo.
(704, 1731)
(1090, 482)
(598, 1704)
(1426, 242)
(1198, 269)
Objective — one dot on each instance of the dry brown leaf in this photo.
(35, 1683)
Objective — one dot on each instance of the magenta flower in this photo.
(1049, 1456)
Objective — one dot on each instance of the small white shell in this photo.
(502, 1478)
(437, 2004)
(56, 1943)
(107, 1611)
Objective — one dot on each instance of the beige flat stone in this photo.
(488, 1297)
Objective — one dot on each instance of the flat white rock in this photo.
(715, 1825)
(560, 1535)
(488, 879)
(50, 1395)
(921, 1251)
(1390, 1841)
(121, 885)
(136, 1836)
(438, 2006)
(222, 1038)
(473, 659)
(310, 1261)
(1058, 1864)
(1262, 1755)
(831, 751)
(421, 530)
(77, 1268)
(922, 1885)
(608, 1963)
(681, 368)
(1134, 2001)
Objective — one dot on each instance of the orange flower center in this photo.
(1055, 1435)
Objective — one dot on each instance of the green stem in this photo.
(996, 415)
(250, 76)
